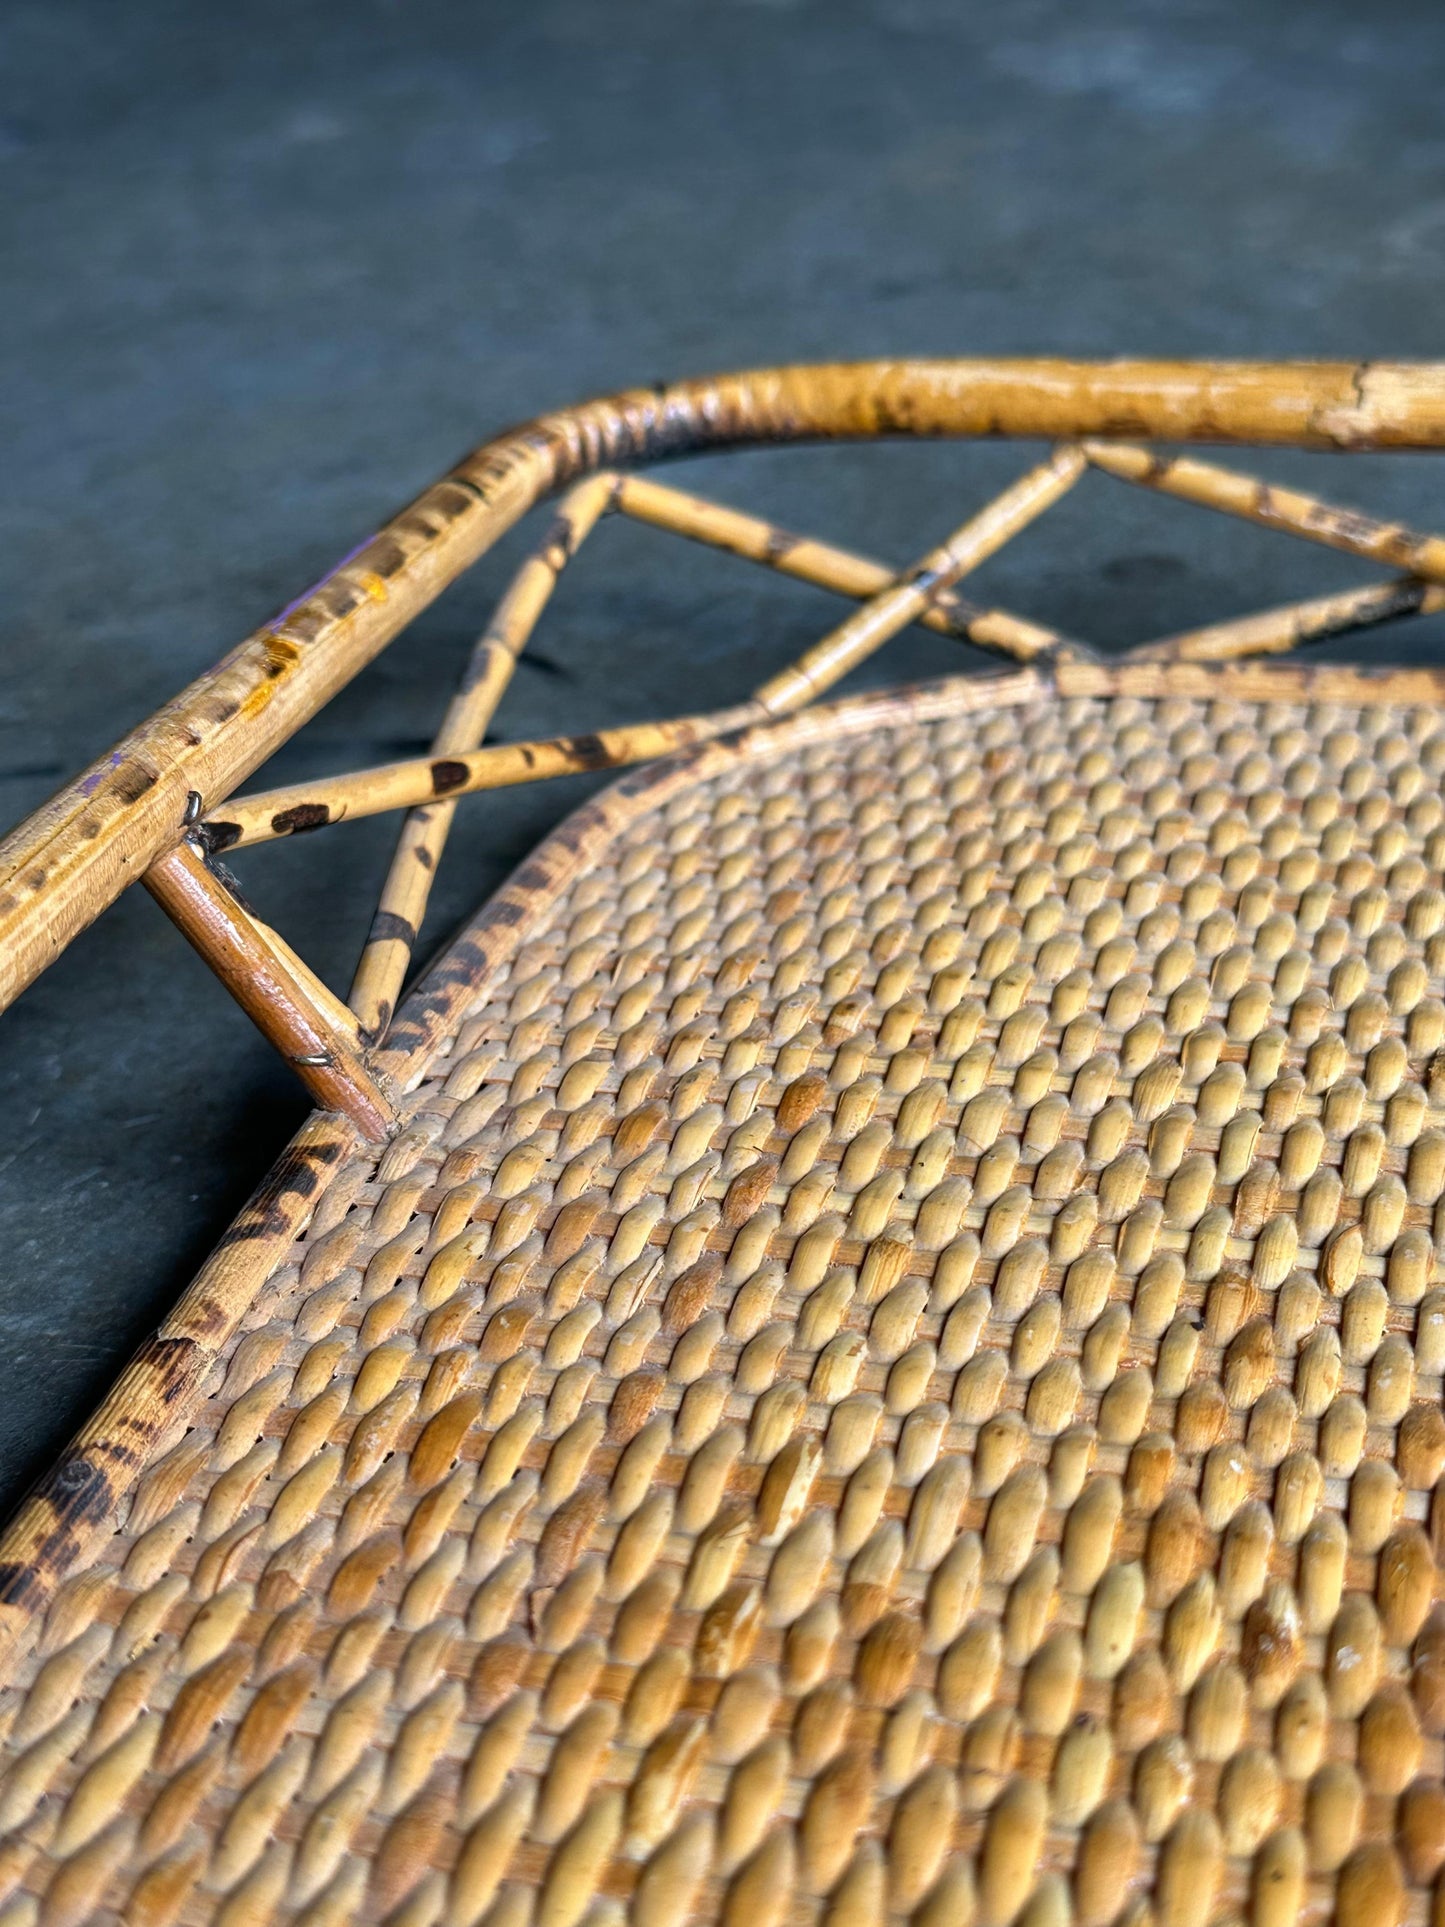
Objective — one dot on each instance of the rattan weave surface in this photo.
(894, 1372)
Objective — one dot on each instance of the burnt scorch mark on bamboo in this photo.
(1346, 525)
(562, 542)
(384, 556)
(484, 662)
(388, 927)
(300, 818)
(894, 413)
(445, 497)
(78, 1488)
(215, 837)
(1264, 505)
(587, 751)
(1402, 599)
(1353, 528)
(447, 774)
(1393, 601)
(955, 608)
(1120, 423)
(1156, 469)
(131, 782)
(21, 1584)
(293, 1177)
(87, 1484)
(282, 654)
(171, 1365)
(79, 1495)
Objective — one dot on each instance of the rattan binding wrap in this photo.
(892, 1371)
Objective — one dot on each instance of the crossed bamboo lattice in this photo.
(329, 1042)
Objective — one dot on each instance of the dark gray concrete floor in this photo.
(268, 268)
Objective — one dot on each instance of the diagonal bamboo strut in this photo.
(314, 1031)
(402, 786)
(1275, 507)
(1274, 631)
(903, 601)
(823, 565)
(387, 954)
(273, 813)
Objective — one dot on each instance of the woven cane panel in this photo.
(893, 1374)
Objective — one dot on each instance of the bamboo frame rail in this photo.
(136, 808)
(63, 865)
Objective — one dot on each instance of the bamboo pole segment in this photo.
(69, 859)
(823, 565)
(1275, 631)
(292, 1008)
(269, 814)
(900, 603)
(1274, 506)
(386, 956)
(1250, 681)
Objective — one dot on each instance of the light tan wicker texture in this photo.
(892, 1373)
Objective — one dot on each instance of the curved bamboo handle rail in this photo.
(129, 813)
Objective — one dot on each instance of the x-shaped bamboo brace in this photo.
(327, 1043)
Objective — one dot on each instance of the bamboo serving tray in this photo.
(867, 1345)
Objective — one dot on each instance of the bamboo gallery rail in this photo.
(327, 1042)
(137, 809)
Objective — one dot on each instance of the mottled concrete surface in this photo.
(268, 268)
